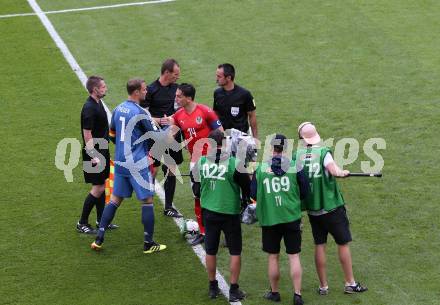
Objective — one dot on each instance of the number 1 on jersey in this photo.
(122, 119)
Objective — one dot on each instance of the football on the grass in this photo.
(189, 228)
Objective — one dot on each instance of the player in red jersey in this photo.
(196, 122)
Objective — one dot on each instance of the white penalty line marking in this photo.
(198, 250)
(88, 8)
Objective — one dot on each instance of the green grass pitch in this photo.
(358, 69)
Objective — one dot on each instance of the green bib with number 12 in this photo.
(324, 191)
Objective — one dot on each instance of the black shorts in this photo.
(215, 223)
(176, 155)
(290, 232)
(336, 223)
(98, 178)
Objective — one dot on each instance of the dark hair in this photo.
(228, 70)
(168, 65)
(134, 84)
(278, 142)
(93, 82)
(188, 90)
(218, 136)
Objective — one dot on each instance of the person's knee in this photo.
(320, 246)
(235, 257)
(273, 263)
(344, 250)
(273, 256)
(98, 190)
(294, 256)
(116, 200)
(148, 200)
(320, 250)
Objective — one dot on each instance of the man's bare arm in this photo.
(252, 115)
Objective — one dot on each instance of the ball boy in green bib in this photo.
(278, 189)
(217, 182)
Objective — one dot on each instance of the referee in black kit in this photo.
(234, 105)
(94, 128)
(160, 101)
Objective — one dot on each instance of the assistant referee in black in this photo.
(160, 101)
(94, 128)
(234, 105)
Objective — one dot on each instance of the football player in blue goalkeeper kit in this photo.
(129, 125)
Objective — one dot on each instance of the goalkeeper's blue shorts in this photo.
(142, 184)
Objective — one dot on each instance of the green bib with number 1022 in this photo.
(219, 192)
(277, 196)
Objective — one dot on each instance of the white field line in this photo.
(17, 15)
(63, 48)
(88, 8)
(198, 250)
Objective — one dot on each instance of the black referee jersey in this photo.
(232, 107)
(160, 99)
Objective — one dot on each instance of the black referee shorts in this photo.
(176, 155)
(290, 232)
(98, 178)
(215, 223)
(336, 223)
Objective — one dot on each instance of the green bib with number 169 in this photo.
(277, 196)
